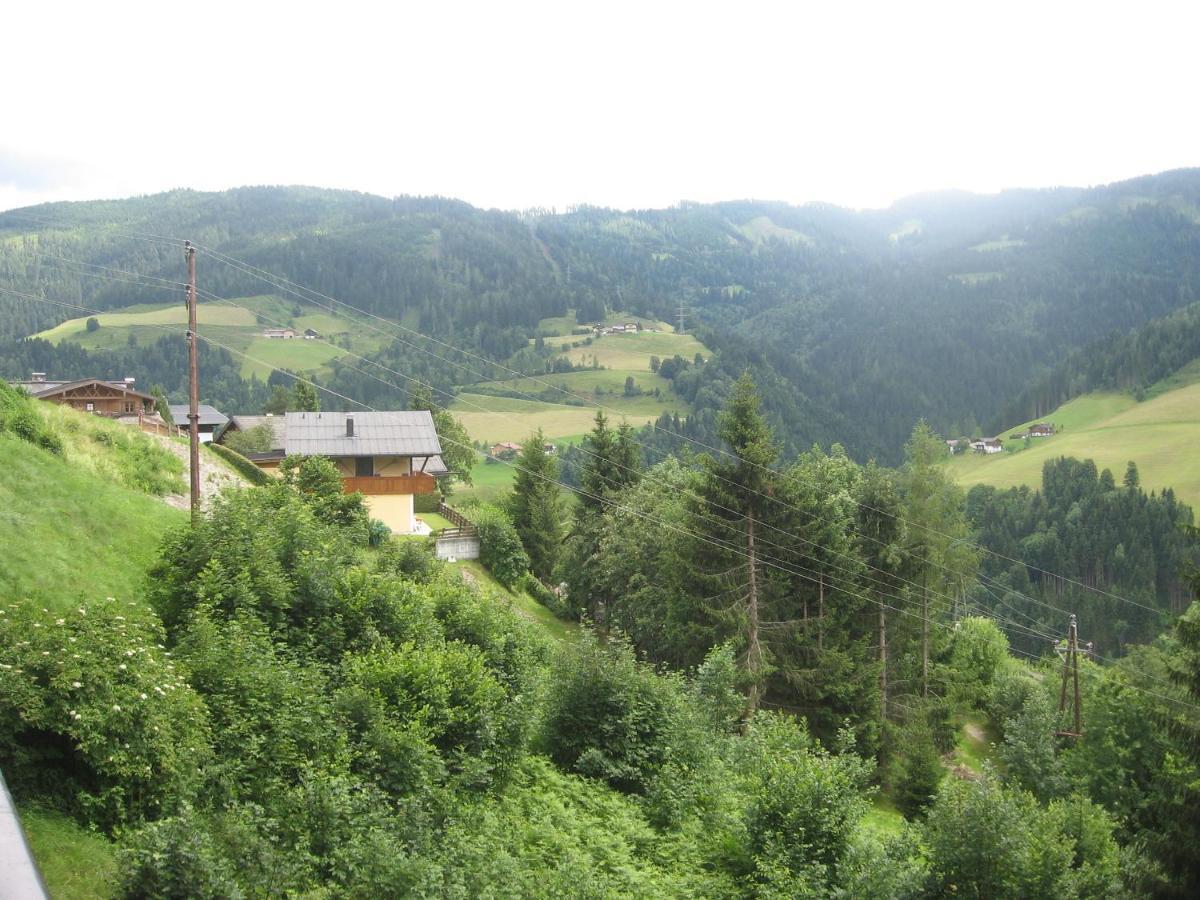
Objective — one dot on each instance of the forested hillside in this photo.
(855, 324)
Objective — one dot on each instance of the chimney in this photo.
(38, 377)
(349, 425)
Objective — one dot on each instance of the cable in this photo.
(291, 287)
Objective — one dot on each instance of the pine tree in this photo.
(534, 506)
(304, 398)
(734, 505)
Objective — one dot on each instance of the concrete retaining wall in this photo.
(458, 547)
(19, 876)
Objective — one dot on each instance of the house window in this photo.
(90, 407)
(128, 407)
(364, 466)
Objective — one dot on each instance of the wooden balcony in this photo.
(416, 483)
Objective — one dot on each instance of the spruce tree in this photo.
(534, 506)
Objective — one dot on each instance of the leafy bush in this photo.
(19, 417)
(500, 548)
(239, 463)
(552, 600)
(427, 503)
(319, 482)
(613, 718)
(917, 770)
(377, 532)
(94, 715)
(978, 652)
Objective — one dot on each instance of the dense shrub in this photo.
(19, 417)
(94, 716)
(500, 548)
(239, 464)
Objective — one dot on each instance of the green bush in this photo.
(19, 417)
(94, 716)
(500, 548)
(377, 532)
(427, 503)
(546, 597)
(176, 858)
(239, 463)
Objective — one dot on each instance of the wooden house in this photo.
(114, 399)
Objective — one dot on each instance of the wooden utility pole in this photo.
(1071, 673)
(193, 381)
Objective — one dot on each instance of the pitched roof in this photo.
(209, 415)
(408, 433)
(41, 389)
(430, 465)
(277, 424)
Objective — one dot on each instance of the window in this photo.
(90, 407)
(364, 466)
(128, 406)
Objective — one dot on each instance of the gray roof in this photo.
(209, 415)
(277, 423)
(430, 465)
(409, 433)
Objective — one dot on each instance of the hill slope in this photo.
(857, 323)
(1160, 435)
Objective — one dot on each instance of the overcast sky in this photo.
(516, 105)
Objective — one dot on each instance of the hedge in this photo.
(241, 465)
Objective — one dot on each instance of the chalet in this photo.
(114, 399)
(549, 449)
(279, 333)
(631, 327)
(310, 334)
(211, 420)
(504, 450)
(1041, 430)
(987, 445)
(387, 456)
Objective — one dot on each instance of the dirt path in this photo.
(214, 475)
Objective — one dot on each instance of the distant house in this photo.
(279, 333)
(631, 326)
(310, 334)
(504, 450)
(1041, 430)
(617, 329)
(987, 445)
(549, 449)
(114, 399)
(211, 421)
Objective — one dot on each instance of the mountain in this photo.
(855, 324)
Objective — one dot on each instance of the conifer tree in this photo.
(304, 398)
(534, 506)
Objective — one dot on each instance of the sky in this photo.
(631, 105)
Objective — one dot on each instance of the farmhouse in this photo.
(113, 399)
(1041, 430)
(211, 420)
(311, 334)
(279, 333)
(987, 445)
(504, 450)
(387, 456)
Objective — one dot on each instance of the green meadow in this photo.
(1160, 434)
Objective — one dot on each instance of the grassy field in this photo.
(491, 481)
(1160, 435)
(68, 530)
(76, 864)
(633, 351)
(236, 327)
(493, 419)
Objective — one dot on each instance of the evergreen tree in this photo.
(534, 506)
(458, 452)
(304, 398)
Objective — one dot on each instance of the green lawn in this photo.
(76, 864)
(882, 818)
(173, 314)
(633, 351)
(491, 481)
(494, 419)
(300, 355)
(1160, 435)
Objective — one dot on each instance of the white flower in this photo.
(76, 684)
(116, 708)
(143, 696)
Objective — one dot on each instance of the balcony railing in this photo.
(416, 483)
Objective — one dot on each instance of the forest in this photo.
(765, 655)
(854, 324)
